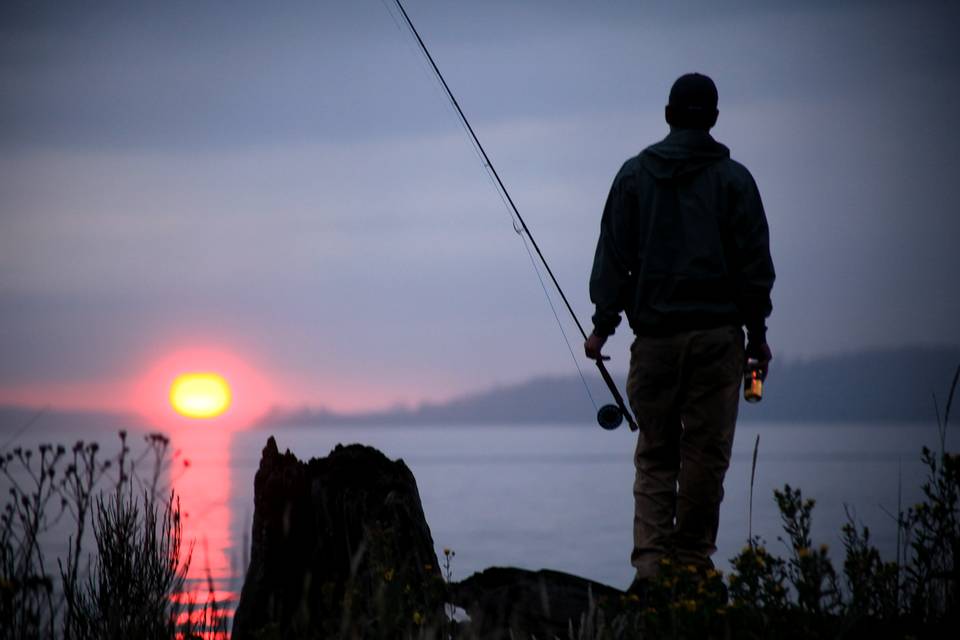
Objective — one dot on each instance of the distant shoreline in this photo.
(888, 386)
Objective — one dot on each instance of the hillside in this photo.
(884, 385)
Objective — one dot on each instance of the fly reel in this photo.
(609, 417)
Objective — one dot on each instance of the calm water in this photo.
(552, 496)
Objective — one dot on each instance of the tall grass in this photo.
(122, 570)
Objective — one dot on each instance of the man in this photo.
(684, 251)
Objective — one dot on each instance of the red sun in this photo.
(202, 387)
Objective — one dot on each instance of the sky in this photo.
(284, 185)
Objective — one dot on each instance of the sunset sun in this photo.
(200, 395)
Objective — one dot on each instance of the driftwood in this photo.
(331, 537)
(341, 548)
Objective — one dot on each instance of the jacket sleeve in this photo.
(755, 273)
(615, 257)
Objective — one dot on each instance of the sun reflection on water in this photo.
(202, 482)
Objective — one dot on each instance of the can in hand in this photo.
(753, 381)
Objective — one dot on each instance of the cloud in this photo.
(292, 181)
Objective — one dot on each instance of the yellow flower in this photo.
(690, 605)
(417, 618)
(388, 575)
(665, 562)
(713, 573)
(690, 568)
(803, 552)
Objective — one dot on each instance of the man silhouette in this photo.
(684, 252)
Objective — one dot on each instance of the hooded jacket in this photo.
(684, 242)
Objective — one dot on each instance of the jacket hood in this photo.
(683, 152)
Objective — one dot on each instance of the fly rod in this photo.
(609, 416)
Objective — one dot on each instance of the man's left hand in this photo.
(759, 357)
(593, 345)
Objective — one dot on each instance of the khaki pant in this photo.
(684, 390)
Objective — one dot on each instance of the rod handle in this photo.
(616, 395)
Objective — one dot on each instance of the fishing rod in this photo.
(609, 416)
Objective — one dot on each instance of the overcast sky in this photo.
(285, 181)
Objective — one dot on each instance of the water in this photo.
(551, 496)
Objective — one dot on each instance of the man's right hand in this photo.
(593, 346)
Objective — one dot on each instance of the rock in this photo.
(340, 547)
(505, 602)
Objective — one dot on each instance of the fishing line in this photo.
(506, 207)
(609, 416)
(434, 82)
(556, 316)
(518, 226)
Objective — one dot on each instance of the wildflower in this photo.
(388, 575)
(713, 573)
(632, 597)
(689, 605)
(417, 618)
(803, 552)
(690, 568)
(665, 562)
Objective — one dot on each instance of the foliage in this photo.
(127, 582)
(809, 569)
